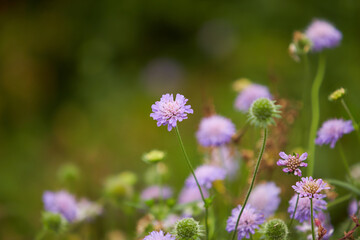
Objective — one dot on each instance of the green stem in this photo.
(197, 183)
(312, 220)
(315, 112)
(339, 200)
(343, 158)
(252, 183)
(293, 216)
(161, 198)
(356, 126)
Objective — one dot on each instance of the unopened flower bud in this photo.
(188, 228)
(263, 111)
(337, 94)
(275, 229)
(153, 156)
(54, 222)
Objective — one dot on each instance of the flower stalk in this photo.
(312, 220)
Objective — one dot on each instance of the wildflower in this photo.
(169, 112)
(191, 194)
(249, 95)
(265, 198)
(337, 94)
(250, 220)
(292, 162)
(54, 222)
(323, 35)
(311, 188)
(156, 192)
(88, 210)
(303, 210)
(206, 175)
(275, 229)
(353, 207)
(263, 111)
(332, 130)
(226, 158)
(153, 156)
(188, 228)
(215, 131)
(159, 236)
(324, 219)
(61, 202)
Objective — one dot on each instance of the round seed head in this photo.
(275, 229)
(263, 111)
(188, 228)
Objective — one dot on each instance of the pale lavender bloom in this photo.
(249, 221)
(191, 194)
(324, 218)
(169, 112)
(303, 211)
(265, 198)
(247, 96)
(156, 192)
(323, 35)
(159, 236)
(332, 130)
(61, 202)
(206, 175)
(88, 210)
(215, 131)
(292, 162)
(311, 188)
(226, 158)
(353, 207)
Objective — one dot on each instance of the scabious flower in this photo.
(311, 188)
(168, 111)
(324, 219)
(263, 111)
(353, 207)
(206, 175)
(88, 210)
(188, 228)
(61, 202)
(332, 130)
(191, 194)
(215, 131)
(159, 236)
(323, 35)
(265, 198)
(292, 162)
(250, 220)
(250, 93)
(226, 158)
(337, 94)
(275, 229)
(303, 211)
(156, 192)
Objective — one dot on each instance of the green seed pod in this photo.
(275, 229)
(263, 111)
(188, 229)
(54, 222)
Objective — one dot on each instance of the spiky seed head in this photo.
(263, 111)
(188, 229)
(54, 222)
(153, 156)
(275, 229)
(337, 94)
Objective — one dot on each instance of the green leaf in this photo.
(345, 185)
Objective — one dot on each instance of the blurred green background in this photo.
(77, 79)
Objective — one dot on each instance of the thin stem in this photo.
(355, 124)
(252, 183)
(197, 183)
(161, 190)
(343, 158)
(312, 220)
(315, 111)
(293, 216)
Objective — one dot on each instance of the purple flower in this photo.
(311, 188)
(323, 35)
(292, 162)
(191, 194)
(249, 95)
(303, 211)
(353, 207)
(156, 192)
(159, 236)
(215, 131)
(250, 220)
(88, 210)
(324, 218)
(265, 198)
(332, 130)
(206, 175)
(226, 158)
(62, 203)
(168, 112)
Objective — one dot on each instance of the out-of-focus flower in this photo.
(355, 172)
(263, 111)
(191, 194)
(153, 156)
(353, 207)
(61, 202)
(88, 210)
(156, 192)
(160, 235)
(323, 35)
(265, 198)
(241, 84)
(226, 158)
(322, 217)
(303, 211)
(68, 173)
(311, 188)
(292, 162)
(170, 221)
(206, 175)
(120, 185)
(299, 46)
(337, 94)
(247, 96)
(188, 228)
(332, 130)
(250, 220)
(215, 131)
(54, 222)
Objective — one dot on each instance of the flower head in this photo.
(188, 228)
(299, 46)
(276, 229)
(54, 222)
(168, 111)
(206, 175)
(191, 194)
(303, 210)
(215, 131)
(250, 93)
(156, 192)
(61, 202)
(323, 35)
(88, 210)
(263, 111)
(265, 198)
(154, 156)
(159, 236)
(311, 188)
(332, 130)
(337, 94)
(250, 220)
(292, 162)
